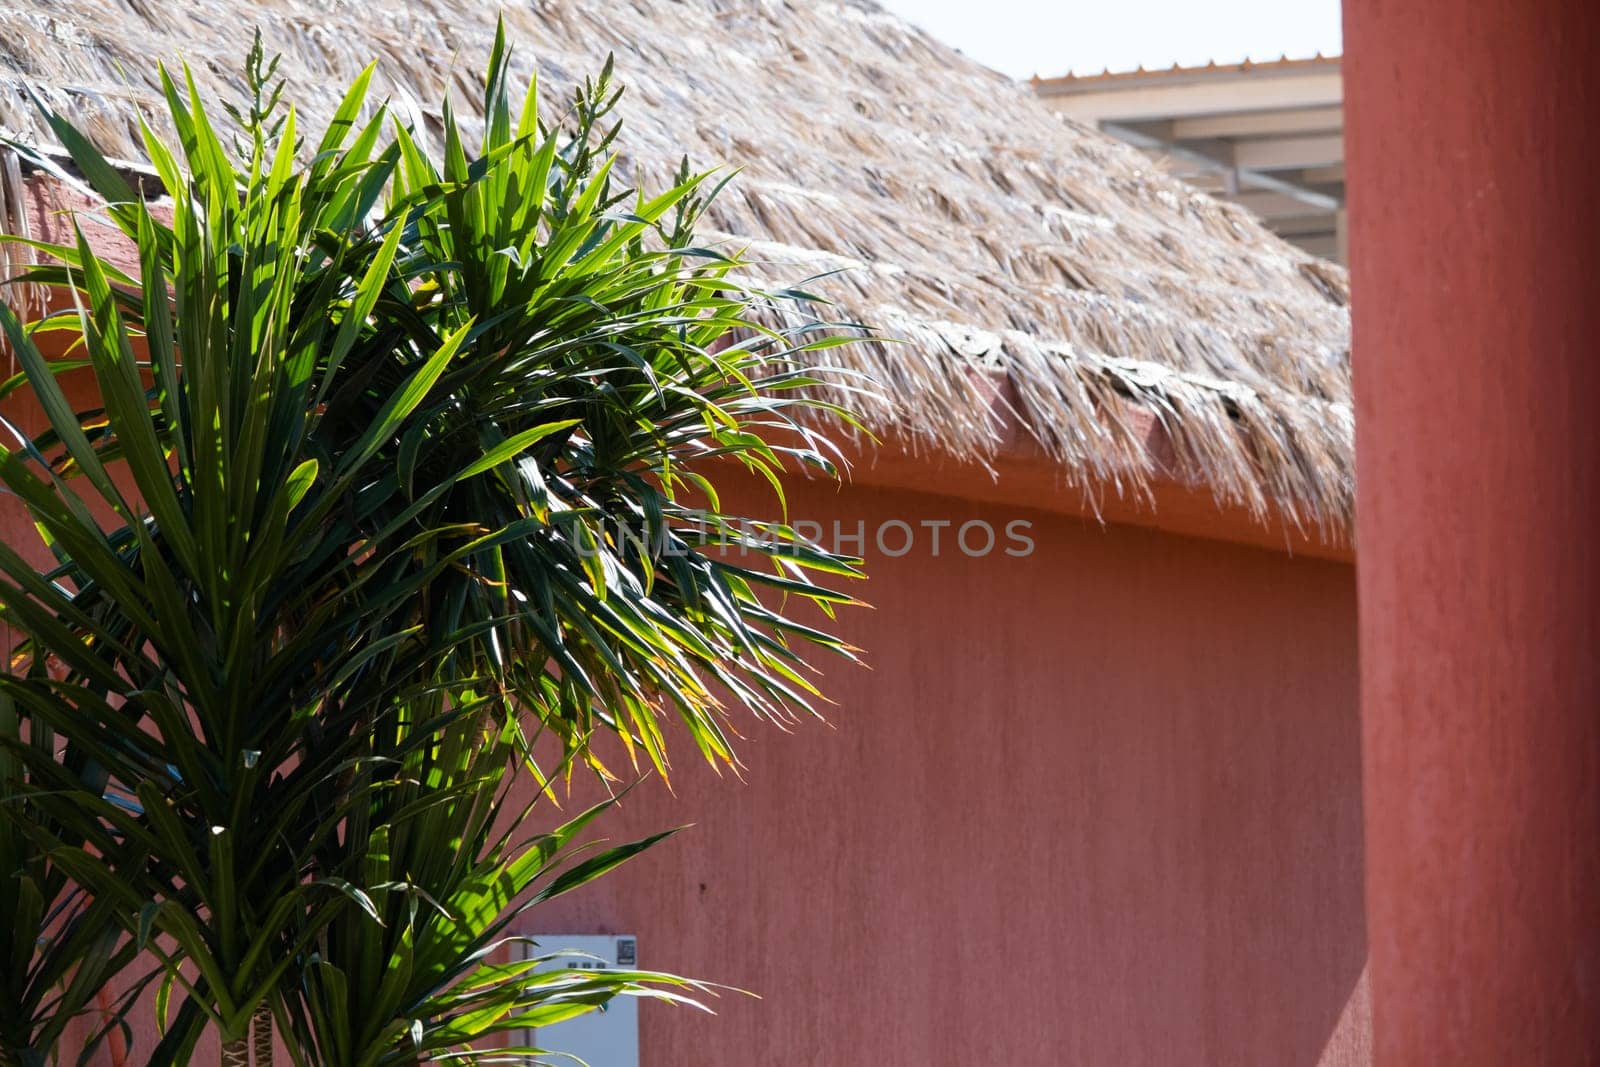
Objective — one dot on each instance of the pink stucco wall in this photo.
(1099, 805)
(1474, 223)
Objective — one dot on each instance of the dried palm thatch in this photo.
(966, 220)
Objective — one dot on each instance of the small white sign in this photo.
(608, 1036)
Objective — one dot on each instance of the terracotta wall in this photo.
(1099, 805)
(1474, 224)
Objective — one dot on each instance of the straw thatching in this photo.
(968, 220)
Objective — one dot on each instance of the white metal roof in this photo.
(1268, 135)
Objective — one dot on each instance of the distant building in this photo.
(1267, 135)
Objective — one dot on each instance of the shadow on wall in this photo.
(1099, 804)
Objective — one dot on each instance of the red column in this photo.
(1475, 252)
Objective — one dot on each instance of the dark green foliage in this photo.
(401, 455)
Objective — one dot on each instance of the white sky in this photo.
(1047, 37)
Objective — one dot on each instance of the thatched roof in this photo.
(973, 223)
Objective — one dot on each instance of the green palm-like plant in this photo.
(449, 871)
(388, 484)
(63, 944)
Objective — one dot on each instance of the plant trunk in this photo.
(236, 1053)
(261, 1024)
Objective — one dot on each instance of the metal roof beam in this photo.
(1245, 177)
(1290, 153)
(1277, 206)
(1303, 225)
(1254, 92)
(1301, 120)
(1323, 175)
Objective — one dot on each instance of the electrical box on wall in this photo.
(608, 1036)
